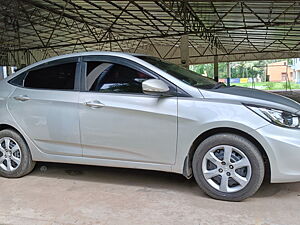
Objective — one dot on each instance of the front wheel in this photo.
(228, 167)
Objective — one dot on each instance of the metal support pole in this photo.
(266, 75)
(5, 71)
(228, 73)
(2, 72)
(216, 68)
(184, 51)
(12, 70)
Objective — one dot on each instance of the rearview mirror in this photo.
(155, 86)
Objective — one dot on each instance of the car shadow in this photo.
(147, 180)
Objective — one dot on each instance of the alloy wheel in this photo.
(226, 168)
(10, 154)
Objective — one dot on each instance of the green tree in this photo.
(247, 69)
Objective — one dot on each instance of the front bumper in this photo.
(282, 146)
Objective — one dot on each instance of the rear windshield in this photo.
(185, 75)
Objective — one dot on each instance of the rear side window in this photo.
(58, 77)
(18, 80)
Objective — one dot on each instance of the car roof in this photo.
(78, 54)
(129, 56)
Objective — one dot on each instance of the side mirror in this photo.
(155, 87)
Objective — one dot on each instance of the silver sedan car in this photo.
(137, 111)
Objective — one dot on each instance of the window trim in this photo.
(131, 64)
(76, 60)
(11, 81)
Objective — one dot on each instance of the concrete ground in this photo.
(75, 194)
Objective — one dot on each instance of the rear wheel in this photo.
(15, 157)
(228, 167)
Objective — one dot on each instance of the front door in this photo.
(119, 122)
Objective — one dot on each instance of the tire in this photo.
(212, 175)
(15, 157)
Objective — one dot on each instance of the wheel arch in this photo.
(7, 126)
(187, 170)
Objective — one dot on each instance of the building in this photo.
(296, 70)
(279, 72)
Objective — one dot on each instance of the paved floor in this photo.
(74, 194)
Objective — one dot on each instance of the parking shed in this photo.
(184, 32)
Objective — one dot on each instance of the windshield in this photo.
(185, 75)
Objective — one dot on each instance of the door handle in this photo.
(94, 104)
(22, 98)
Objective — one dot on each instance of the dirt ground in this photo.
(75, 194)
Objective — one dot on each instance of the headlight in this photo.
(277, 117)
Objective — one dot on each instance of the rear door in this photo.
(118, 121)
(45, 105)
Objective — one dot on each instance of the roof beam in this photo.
(184, 14)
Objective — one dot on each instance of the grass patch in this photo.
(269, 85)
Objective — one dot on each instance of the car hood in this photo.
(252, 96)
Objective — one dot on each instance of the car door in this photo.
(118, 121)
(45, 106)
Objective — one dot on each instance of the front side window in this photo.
(114, 78)
(58, 77)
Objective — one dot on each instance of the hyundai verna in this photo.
(137, 111)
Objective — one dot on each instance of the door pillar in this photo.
(216, 68)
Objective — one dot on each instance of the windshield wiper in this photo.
(218, 85)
